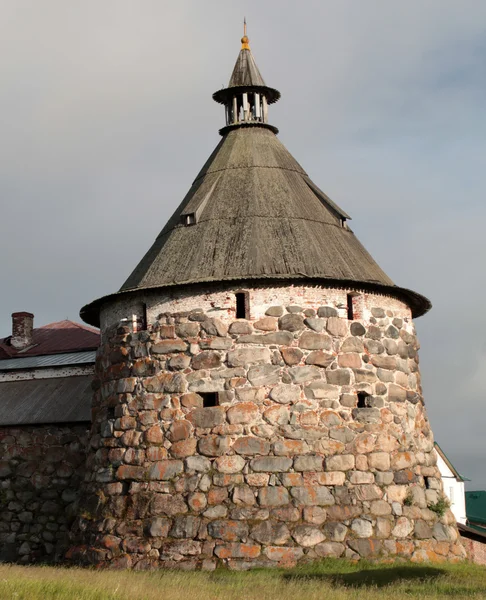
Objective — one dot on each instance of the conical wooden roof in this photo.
(253, 213)
(257, 215)
(246, 72)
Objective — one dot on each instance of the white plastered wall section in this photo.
(219, 301)
(454, 491)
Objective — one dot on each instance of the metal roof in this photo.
(55, 338)
(48, 360)
(40, 401)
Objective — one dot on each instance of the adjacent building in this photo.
(45, 398)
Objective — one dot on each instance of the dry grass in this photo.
(339, 580)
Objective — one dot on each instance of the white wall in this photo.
(454, 490)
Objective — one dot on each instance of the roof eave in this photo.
(222, 96)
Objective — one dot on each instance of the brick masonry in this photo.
(41, 469)
(320, 445)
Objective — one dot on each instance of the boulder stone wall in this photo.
(41, 469)
(289, 436)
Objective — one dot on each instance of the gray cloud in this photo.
(106, 117)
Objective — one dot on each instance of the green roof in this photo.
(476, 507)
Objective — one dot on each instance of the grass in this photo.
(339, 580)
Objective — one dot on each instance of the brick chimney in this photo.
(22, 327)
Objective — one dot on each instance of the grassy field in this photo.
(328, 579)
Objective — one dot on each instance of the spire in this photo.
(247, 96)
(245, 42)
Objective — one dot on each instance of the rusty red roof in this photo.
(55, 338)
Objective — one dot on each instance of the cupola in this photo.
(247, 97)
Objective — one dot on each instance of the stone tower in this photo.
(258, 397)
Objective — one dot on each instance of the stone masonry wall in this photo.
(320, 445)
(41, 468)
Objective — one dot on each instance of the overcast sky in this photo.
(106, 117)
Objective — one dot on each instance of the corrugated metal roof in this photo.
(55, 338)
(38, 401)
(49, 360)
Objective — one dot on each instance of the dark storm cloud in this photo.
(106, 117)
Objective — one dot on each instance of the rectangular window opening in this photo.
(363, 400)
(242, 305)
(209, 399)
(350, 307)
(189, 219)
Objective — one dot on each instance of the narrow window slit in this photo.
(427, 483)
(242, 305)
(363, 400)
(209, 399)
(350, 307)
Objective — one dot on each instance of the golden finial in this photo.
(245, 42)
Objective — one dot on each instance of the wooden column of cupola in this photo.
(247, 107)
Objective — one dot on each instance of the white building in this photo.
(453, 484)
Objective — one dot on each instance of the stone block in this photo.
(179, 430)
(379, 461)
(244, 412)
(362, 528)
(366, 415)
(357, 329)
(266, 324)
(208, 359)
(165, 469)
(243, 495)
(291, 356)
(307, 536)
(213, 445)
(185, 526)
(168, 346)
(231, 531)
(270, 533)
(271, 464)
(277, 415)
(158, 527)
(275, 311)
(302, 374)
(183, 448)
(187, 330)
(250, 445)
(280, 338)
(290, 447)
(343, 462)
(291, 322)
(380, 508)
(236, 550)
(310, 340)
(339, 377)
(316, 324)
(308, 463)
(329, 549)
(403, 528)
(285, 556)
(312, 495)
(337, 327)
(327, 311)
(197, 501)
(285, 393)
(273, 496)
(207, 418)
(248, 356)
(200, 464)
(229, 464)
(320, 359)
(240, 328)
(264, 375)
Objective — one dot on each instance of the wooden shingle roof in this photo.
(253, 214)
